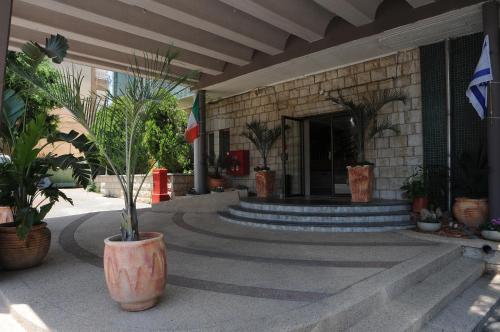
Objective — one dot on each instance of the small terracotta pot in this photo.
(471, 212)
(264, 183)
(361, 180)
(21, 254)
(419, 203)
(6, 214)
(136, 271)
(215, 182)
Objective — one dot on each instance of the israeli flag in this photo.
(478, 87)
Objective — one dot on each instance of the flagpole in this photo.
(490, 27)
(200, 155)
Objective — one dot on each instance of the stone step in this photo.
(410, 310)
(319, 226)
(473, 310)
(318, 207)
(301, 217)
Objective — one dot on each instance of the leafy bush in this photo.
(164, 135)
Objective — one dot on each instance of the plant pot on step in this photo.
(6, 214)
(471, 212)
(428, 226)
(419, 203)
(21, 254)
(136, 271)
(491, 235)
(214, 182)
(361, 180)
(264, 183)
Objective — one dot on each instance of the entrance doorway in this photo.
(331, 150)
(315, 154)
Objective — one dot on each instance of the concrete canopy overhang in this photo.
(240, 45)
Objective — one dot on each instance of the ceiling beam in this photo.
(356, 12)
(220, 19)
(93, 34)
(21, 35)
(134, 20)
(302, 18)
(419, 3)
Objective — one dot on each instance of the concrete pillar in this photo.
(490, 25)
(5, 15)
(200, 146)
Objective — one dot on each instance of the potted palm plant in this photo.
(131, 250)
(24, 176)
(366, 124)
(263, 139)
(471, 205)
(216, 180)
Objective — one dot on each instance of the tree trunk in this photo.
(130, 225)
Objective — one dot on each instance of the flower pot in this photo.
(428, 226)
(491, 235)
(264, 183)
(419, 203)
(6, 214)
(470, 212)
(136, 271)
(361, 183)
(21, 254)
(216, 182)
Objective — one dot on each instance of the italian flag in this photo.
(193, 127)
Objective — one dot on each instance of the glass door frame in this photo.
(284, 156)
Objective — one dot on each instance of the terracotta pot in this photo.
(264, 183)
(215, 182)
(419, 203)
(136, 271)
(6, 214)
(21, 254)
(361, 180)
(471, 212)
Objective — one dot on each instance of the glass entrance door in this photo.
(292, 156)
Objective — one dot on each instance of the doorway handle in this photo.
(329, 155)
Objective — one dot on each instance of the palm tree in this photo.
(148, 80)
(263, 139)
(364, 116)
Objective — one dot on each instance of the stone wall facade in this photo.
(395, 156)
(178, 185)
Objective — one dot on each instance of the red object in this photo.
(419, 203)
(160, 185)
(241, 164)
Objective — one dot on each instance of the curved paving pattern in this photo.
(221, 277)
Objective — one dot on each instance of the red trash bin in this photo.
(160, 185)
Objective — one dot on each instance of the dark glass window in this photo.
(224, 142)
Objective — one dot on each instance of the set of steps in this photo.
(406, 297)
(321, 215)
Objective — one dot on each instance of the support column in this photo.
(5, 15)
(490, 26)
(200, 146)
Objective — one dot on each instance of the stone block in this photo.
(378, 74)
(415, 140)
(363, 78)
(398, 141)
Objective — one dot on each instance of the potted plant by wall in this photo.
(130, 251)
(6, 199)
(215, 179)
(491, 230)
(430, 220)
(263, 139)
(24, 177)
(471, 205)
(366, 123)
(415, 189)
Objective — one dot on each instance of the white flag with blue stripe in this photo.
(478, 87)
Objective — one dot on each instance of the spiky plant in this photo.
(364, 116)
(263, 139)
(149, 77)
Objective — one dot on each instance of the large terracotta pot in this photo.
(471, 212)
(6, 214)
(21, 254)
(216, 182)
(264, 183)
(419, 203)
(136, 271)
(361, 180)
